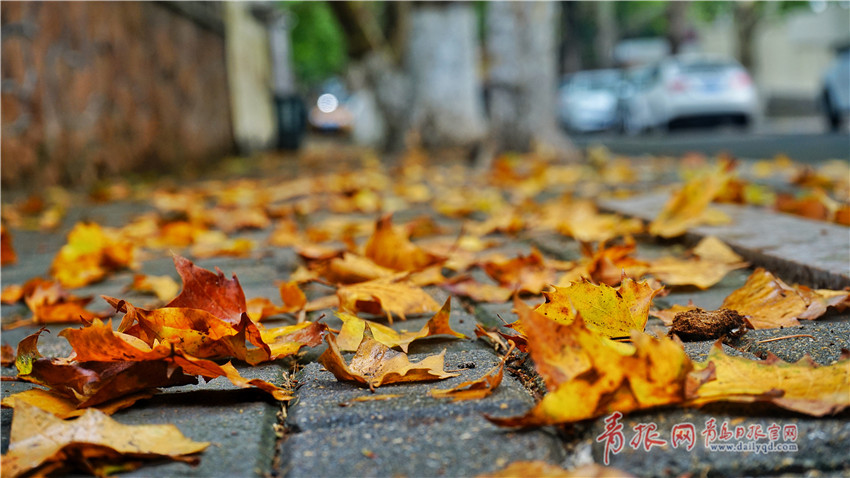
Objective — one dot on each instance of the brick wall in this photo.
(95, 89)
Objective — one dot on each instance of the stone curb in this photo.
(814, 253)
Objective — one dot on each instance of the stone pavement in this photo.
(324, 431)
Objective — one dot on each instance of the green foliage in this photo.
(318, 43)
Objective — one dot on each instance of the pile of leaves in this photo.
(587, 339)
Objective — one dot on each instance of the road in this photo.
(802, 147)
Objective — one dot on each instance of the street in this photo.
(806, 147)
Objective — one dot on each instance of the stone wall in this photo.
(92, 90)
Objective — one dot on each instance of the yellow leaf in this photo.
(766, 301)
(688, 206)
(383, 295)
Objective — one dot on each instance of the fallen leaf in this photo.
(352, 268)
(353, 329)
(90, 254)
(819, 300)
(66, 407)
(38, 440)
(164, 288)
(216, 243)
(290, 339)
(7, 251)
(293, 299)
(375, 364)
(766, 301)
(209, 291)
(688, 206)
(713, 249)
(475, 389)
(667, 315)
(390, 249)
(605, 265)
(699, 273)
(466, 286)
(609, 311)
(541, 469)
(589, 375)
(385, 296)
(523, 273)
(51, 304)
(803, 386)
(7, 355)
(12, 294)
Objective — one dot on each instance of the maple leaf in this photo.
(288, 340)
(163, 287)
(802, 386)
(589, 375)
(766, 301)
(373, 297)
(50, 304)
(609, 311)
(40, 443)
(476, 389)
(293, 299)
(582, 220)
(374, 364)
(605, 265)
(541, 469)
(351, 334)
(63, 406)
(390, 249)
(7, 251)
(688, 206)
(209, 291)
(713, 261)
(90, 254)
(528, 273)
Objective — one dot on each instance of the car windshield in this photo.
(595, 81)
(705, 67)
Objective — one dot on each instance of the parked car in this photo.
(835, 92)
(634, 114)
(588, 100)
(690, 90)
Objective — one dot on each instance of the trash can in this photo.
(291, 121)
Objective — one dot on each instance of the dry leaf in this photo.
(589, 375)
(50, 304)
(353, 328)
(164, 288)
(688, 206)
(66, 407)
(293, 299)
(713, 249)
(390, 249)
(466, 286)
(478, 388)
(667, 315)
(699, 273)
(605, 265)
(209, 291)
(609, 311)
(767, 301)
(39, 440)
(7, 356)
(523, 273)
(90, 254)
(216, 243)
(803, 386)
(385, 296)
(7, 251)
(375, 364)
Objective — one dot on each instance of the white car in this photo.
(690, 90)
(835, 95)
(588, 100)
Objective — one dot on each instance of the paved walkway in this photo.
(324, 431)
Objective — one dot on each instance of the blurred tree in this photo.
(607, 35)
(522, 77)
(318, 43)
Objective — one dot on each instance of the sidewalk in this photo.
(324, 431)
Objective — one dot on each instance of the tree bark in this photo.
(442, 62)
(677, 25)
(746, 19)
(522, 77)
(606, 36)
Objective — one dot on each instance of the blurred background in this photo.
(93, 90)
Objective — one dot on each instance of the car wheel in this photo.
(833, 119)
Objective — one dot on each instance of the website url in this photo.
(756, 447)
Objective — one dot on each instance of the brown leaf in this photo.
(478, 388)
(528, 273)
(605, 265)
(767, 301)
(8, 355)
(38, 439)
(375, 364)
(209, 291)
(385, 296)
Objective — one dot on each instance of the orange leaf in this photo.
(375, 364)
(767, 301)
(7, 252)
(38, 440)
(90, 254)
(541, 469)
(65, 407)
(390, 249)
(523, 273)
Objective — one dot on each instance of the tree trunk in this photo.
(677, 25)
(522, 77)
(442, 62)
(570, 48)
(746, 19)
(606, 36)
